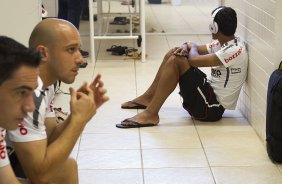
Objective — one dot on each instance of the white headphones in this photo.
(213, 25)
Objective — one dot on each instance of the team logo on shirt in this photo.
(51, 106)
(215, 73)
(23, 130)
(226, 60)
(235, 70)
(212, 45)
(2, 145)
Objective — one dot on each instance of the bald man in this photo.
(43, 146)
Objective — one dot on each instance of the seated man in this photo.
(204, 99)
(18, 79)
(59, 43)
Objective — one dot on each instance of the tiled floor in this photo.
(179, 150)
(164, 18)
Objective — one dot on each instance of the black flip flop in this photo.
(133, 124)
(135, 106)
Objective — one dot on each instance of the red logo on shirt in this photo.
(23, 130)
(2, 146)
(214, 45)
(51, 106)
(226, 60)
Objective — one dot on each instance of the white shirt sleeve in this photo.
(228, 55)
(213, 47)
(33, 127)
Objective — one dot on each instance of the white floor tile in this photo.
(109, 159)
(250, 175)
(110, 141)
(187, 139)
(166, 158)
(122, 176)
(244, 156)
(227, 133)
(195, 175)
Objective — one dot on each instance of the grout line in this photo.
(139, 133)
(141, 154)
(204, 151)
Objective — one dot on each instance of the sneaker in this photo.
(84, 54)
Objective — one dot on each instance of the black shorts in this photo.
(198, 96)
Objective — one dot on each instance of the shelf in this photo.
(100, 16)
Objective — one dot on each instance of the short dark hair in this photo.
(226, 19)
(13, 55)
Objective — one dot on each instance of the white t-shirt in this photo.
(227, 79)
(33, 127)
(4, 159)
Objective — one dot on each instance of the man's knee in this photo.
(180, 63)
(169, 54)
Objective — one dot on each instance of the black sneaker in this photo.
(84, 54)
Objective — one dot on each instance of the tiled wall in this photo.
(259, 23)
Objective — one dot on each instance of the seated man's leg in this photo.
(68, 173)
(174, 67)
(143, 100)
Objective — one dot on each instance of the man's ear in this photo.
(44, 52)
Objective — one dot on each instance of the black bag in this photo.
(274, 116)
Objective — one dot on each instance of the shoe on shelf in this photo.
(83, 65)
(84, 54)
(120, 21)
(117, 50)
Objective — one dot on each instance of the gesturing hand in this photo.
(82, 104)
(99, 92)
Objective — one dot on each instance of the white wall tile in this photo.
(260, 24)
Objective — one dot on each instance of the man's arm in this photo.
(199, 57)
(40, 160)
(7, 175)
(184, 49)
(54, 129)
